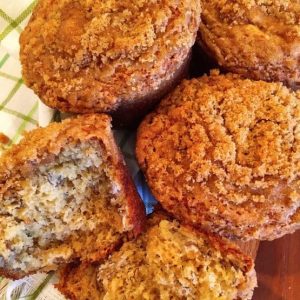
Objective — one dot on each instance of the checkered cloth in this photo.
(20, 110)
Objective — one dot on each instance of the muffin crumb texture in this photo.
(172, 262)
(63, 200)
(258, 39)
(223, 152)
(89, 55)
(237, 11)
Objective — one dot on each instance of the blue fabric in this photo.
(126, 140)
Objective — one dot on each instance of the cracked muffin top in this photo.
(257, 38)
(223, 152)
(86, 56)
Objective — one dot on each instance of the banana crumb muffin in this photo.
(65, 194)
(222, 152)
(118, 57)
(168, 261)
(259, 39)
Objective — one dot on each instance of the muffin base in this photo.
(129, 113)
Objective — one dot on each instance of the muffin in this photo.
(222, 152)
(168, 261)
(117, 57)
(258, 39)
(65, 195)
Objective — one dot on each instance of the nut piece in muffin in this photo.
(259, 39)
(65, 195)
(117, 57)
(168, 261)
(222, 152)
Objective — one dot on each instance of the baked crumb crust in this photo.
(259, 39)
(78, 282)
(222, 152)
(90, 56)
(42, 145)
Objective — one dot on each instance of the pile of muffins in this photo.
(220, 152)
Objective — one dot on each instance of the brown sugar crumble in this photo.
(89, 55)
(167, 261)
(259, 39)
(223, 152)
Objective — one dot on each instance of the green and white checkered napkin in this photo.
(20, 110)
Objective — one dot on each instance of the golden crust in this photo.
(78, 281)
(256, 38)
(91, 56)
(112, 269)
(222, 152)
(237, 257)
(42, 145)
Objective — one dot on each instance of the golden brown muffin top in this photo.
(96, 53)
(259, 39)
(241, 11)
(227, 148)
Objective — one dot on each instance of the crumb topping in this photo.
(226, 150)
(241, 11)
(171, 262)
(257, 38)
(94, 53)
